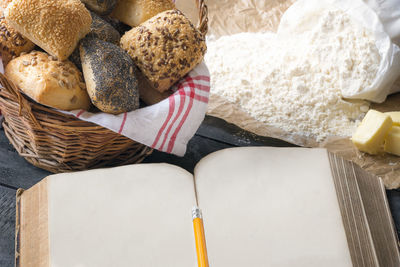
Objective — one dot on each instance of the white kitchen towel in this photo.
(168, 125)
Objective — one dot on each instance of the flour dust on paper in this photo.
(294, 83)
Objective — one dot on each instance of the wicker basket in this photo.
(57, 142)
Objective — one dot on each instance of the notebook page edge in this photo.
(347, 180)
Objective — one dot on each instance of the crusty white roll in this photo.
(165, 48)
(135, 12)
(48, 81)
(56, 26)
(12, 43)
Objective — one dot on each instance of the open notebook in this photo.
(262, 207)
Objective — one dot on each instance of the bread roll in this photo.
(99, 29)
(134, 12)
(103, 30)
(165, 48)
(56, 26)
(148, 94)
(12, 43)
(101, 7)
(49, 81)
(110, 76)
(118, 25)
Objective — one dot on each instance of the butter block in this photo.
(370, 135)
(392, 141)
(395, 115)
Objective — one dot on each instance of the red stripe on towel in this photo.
(80, 113)
(180, 110)
(170, 112)
(123, 123)
(177, 130)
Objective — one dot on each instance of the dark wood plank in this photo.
(224, 132)
(394, 203)
(15, 171)
(7, 226)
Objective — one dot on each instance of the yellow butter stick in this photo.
(370, 135)
(392, 141)
(395, 115)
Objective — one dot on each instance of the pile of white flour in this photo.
(294, 83)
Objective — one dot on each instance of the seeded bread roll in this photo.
(12, 43)
(135, 12)
(165, 48)
(101, 7)
(56, 26)
(148, 94)
(110, 76)
(99, 29)
(49, 81)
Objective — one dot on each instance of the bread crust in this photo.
(55, 26)
(110, 76)
(165, 48)
(101, 7)
(48, 81)
(12, 43)
(103, 30)
(135, 12)
(100, 29)
(148, 94)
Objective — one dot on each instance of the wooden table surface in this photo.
(214, 134)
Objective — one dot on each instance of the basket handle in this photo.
(23, 104)
(203, 16)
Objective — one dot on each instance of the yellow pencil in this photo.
(201, 249)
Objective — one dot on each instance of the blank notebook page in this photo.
(270, 207)
(137, 215)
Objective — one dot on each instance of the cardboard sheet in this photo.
(234, 16)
